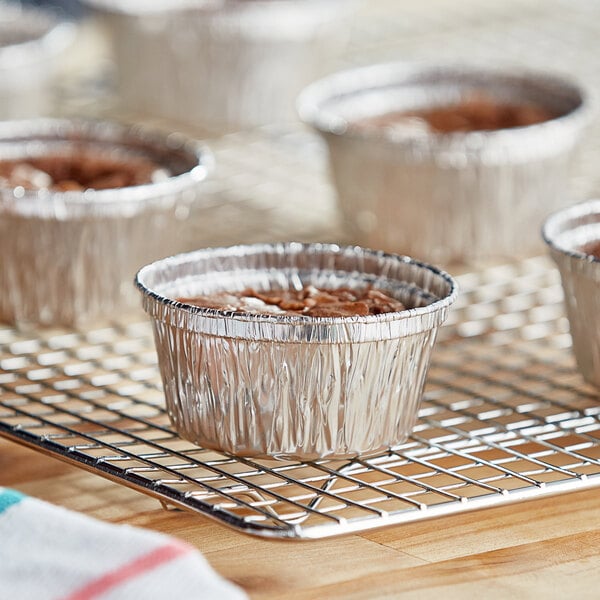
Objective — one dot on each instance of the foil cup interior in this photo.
(187, 161)
(570, 229)
(292, 386)
(334, 103)
(426, 291)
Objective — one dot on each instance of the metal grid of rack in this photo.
(505, 417)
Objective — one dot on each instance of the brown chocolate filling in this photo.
(477, 113)
(78, 171)
(309, 301)
(592, 249)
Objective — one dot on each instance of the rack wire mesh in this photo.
(505, 417)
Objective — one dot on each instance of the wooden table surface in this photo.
(547, 548)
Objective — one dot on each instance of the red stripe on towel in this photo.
(136, 567)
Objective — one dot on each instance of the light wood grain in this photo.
(548, 548)
(497, 528)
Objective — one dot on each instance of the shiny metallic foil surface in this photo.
(452, 197)
(293, 386)
(32, 46)
(68, 257)
(227, 63)
(566, 232)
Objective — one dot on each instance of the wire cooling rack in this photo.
(505, 417)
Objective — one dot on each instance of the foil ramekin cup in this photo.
(293, 387)
(567, 233)
(68, 257)
(33, 43)
(445, 197)
(226, 64)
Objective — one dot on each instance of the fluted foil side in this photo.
(565, 233)
(445, 197)
(289, 386)
(233, 64)
(66, 258)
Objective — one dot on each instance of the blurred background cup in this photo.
(68, 254)
(33, 44)
(225, 64)
(445, 197)
(573, 238)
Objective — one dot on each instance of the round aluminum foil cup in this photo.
(32, 45)
(452, 197)
(68, 257)
(567, 232)
(225, 64)
(293, 387)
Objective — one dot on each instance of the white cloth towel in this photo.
(48, 552)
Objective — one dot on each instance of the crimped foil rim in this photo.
(573, 220)
(43, 202)
(294, 329)
(392, 75)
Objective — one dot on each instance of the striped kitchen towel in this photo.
(48, 552)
